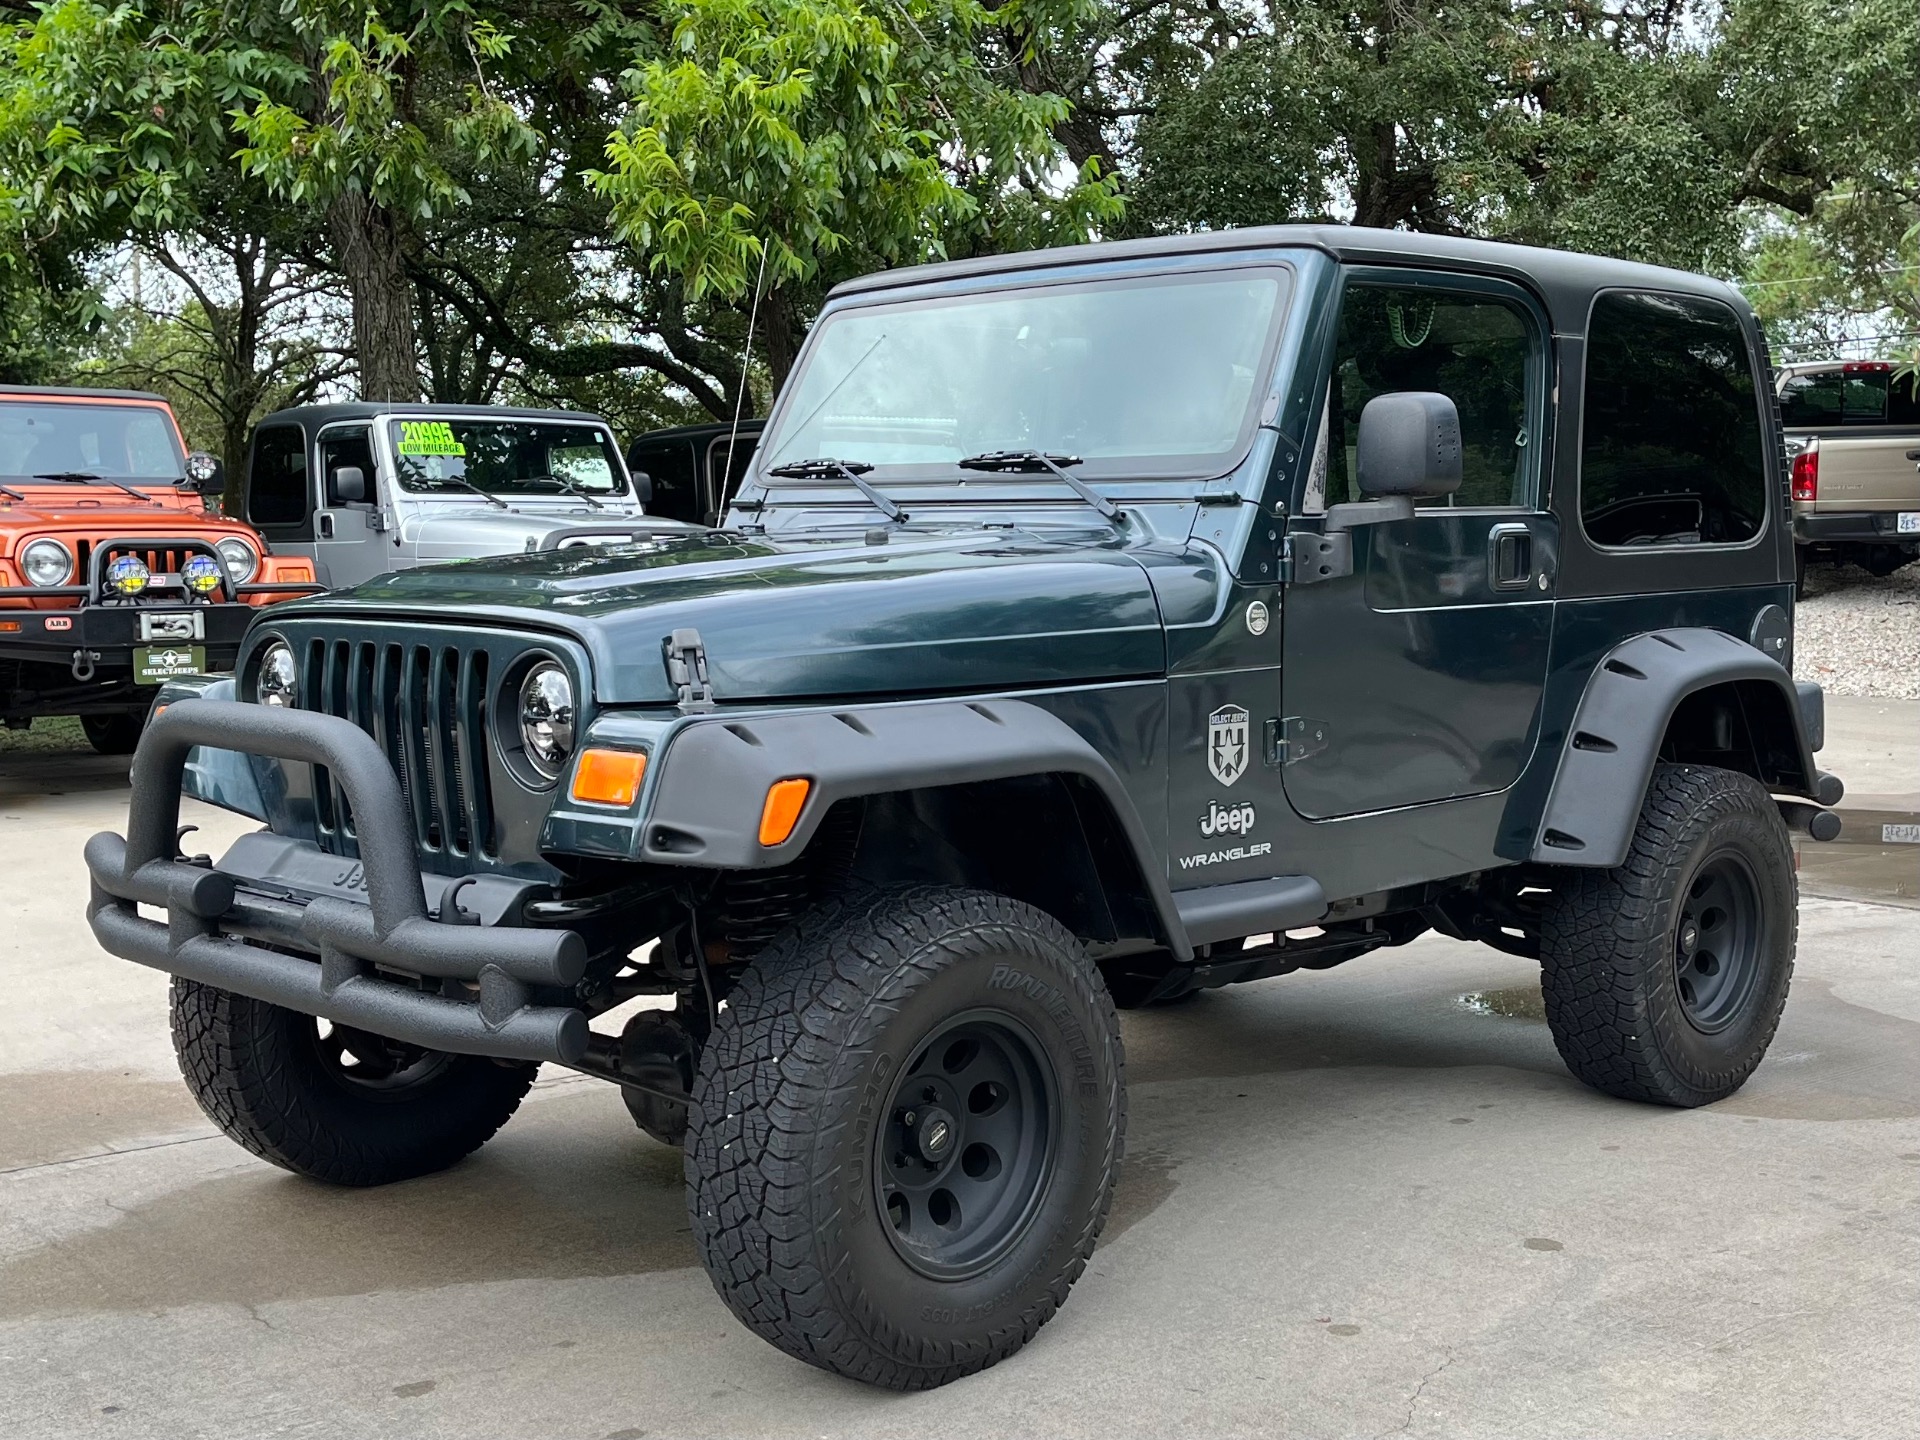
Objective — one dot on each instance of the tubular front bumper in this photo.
(225, 930)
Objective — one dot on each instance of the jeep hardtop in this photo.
(1092, 626)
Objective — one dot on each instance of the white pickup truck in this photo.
(1853, 430)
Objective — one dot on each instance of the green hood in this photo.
(976, 610)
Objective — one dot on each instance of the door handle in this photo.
(1509, 556)
(326, 526)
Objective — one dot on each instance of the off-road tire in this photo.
(258, 1073)
(112, 734)
(783, 1159)
(1610, 974)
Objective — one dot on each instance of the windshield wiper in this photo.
(851, 470)
(1016, 462)
(571, 489)
(486, 495)
(87, 477)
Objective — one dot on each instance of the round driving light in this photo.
(278, 681)
(47, 562)
(202, 574)
(546, 718)
(202, 467)
(239, 558)
(127, 575)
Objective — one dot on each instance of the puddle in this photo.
(1520, 1002)
(583, 1194)
(1858, 866)
(50, 1115)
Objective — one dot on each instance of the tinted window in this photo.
(1474, 349)
(341, 448)
(1850, 395)
(669, 464)
(1671, 445)
(277, 485)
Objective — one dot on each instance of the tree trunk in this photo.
(366, 245)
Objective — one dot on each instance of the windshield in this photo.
(1138, 377)
(506, 457)
(114, 442)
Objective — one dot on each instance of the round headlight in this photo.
(278, 682)
(127, 575)
(202, 574)
(239, 558)
(47, 562)
(546, 718)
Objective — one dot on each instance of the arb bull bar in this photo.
(222, 933)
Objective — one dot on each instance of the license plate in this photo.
(1910, 522)
(172, 625)
(154, 663)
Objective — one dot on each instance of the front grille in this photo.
(426, 707)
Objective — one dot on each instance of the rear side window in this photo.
(277, 484)
(1867, 394)
(1671, 446)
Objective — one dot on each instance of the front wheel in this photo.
(332, 1103)
(904, 1133)
(1665, 978)
(112, 734)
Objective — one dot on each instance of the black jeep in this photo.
(1092, 626)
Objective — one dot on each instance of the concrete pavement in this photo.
(1369, 1202)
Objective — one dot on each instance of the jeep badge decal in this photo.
(1227, 743)
(1227, 819)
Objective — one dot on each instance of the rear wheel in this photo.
(112, 734)
(334, 1103)
(904, 1133)
(1664, 978)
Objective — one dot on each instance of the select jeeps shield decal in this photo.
(1227, 743)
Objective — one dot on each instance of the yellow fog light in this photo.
(202, 574)
(127, 575)
(609, 777)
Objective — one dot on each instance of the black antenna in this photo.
(740, 395)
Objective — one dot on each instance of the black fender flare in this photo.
(1618, 728)
(712, 777)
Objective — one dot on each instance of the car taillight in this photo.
(1806, 474)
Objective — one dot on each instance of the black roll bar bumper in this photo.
(218, 932)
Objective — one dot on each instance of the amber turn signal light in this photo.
(609, 777)
(785, 800)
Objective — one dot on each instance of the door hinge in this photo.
(1295, 737)
(1310, 557)
(687, 670)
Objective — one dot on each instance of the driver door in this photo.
(1418, 676)
(346, 544)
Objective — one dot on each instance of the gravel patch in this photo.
(1859, 635)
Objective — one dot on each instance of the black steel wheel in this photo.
(1665, 978)
(330, 1102)
(1717, 942)
(965, 1144)
(904, 1133)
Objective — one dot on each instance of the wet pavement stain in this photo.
(414, 1387)
(587, 1196)
(1518, 1002)
(52, 1115)
(1145, 1182)
(1833, 1060)
(1541, 1242)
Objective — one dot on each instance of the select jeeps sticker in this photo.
(428, 437)
(1227, 743)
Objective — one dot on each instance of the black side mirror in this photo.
(642, 486)
(205, 474)
(348, 485)
(1408, 448)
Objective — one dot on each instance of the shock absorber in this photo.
(757, 905)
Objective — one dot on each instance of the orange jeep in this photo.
(114, 575)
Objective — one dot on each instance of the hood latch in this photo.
(687, 671)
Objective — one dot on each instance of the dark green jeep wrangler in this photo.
(1092, 626)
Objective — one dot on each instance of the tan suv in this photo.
(1853, 429)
